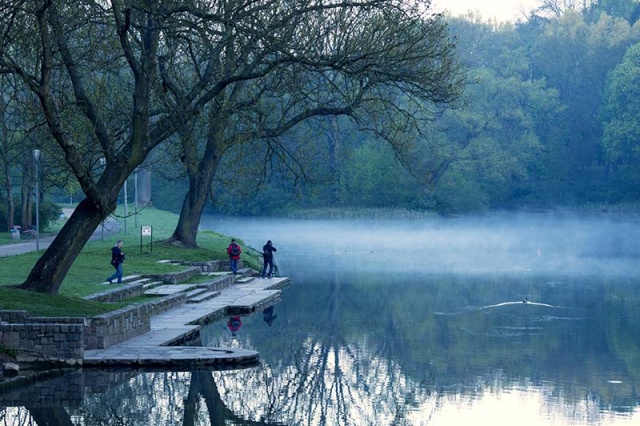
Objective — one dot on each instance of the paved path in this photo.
(184, 321)
(111, 226)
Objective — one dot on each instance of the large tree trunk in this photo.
(6, 167)
(52, 267)
(194, 201)
(187, 228)
(10, 201)
(201, 174)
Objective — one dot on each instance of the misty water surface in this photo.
(553, 243)
(416, 322)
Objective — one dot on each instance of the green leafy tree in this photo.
(621, 141)
(372, 177)
(381, 63)
(626, 9)
(574, 56)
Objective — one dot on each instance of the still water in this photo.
(499, 320)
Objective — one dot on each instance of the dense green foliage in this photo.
(549, 119)
(49, 213)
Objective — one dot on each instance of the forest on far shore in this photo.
(550, 117)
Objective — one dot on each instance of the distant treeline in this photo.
(549, 118)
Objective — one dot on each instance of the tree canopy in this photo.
(114, 80)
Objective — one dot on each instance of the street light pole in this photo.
(102, 161)
(135, 221)
(126, 211)
(36, 156)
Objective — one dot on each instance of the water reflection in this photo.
(379, 354)
(370, 334)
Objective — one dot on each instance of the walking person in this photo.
(117, 259)
(234, 251)
(267, 257)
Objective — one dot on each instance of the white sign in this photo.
(145, 230)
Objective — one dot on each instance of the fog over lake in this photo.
(441, 300)
(499, 242)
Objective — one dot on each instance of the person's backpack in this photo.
(235, 250)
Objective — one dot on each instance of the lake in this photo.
(528, 319)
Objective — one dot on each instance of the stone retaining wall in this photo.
(124, 292)
(43, 339)
(106, 330)
(219, 283)
(210, 266)
(176, 277)
(65, 339)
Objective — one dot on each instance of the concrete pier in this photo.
(159, 346)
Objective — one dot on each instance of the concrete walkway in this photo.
(184, 321)
(111, 226)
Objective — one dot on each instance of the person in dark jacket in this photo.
(234, 251)
(117, 259)
(268, 316)
(267, 257)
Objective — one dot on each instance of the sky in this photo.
(501, 10)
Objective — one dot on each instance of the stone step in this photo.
(142, 281)
(152, 284)
(169, 289)
(169, 261)
(244, 280)
(129, 279)
(201, 297)
(196, 292)
(215, 273)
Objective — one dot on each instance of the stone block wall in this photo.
(214, 265)
(113, 327)
(51, 341)
(13, 316)
(124, 292)
(210, 266)
(179, 276)
(65, 339)
(105, 330)
(219, 283)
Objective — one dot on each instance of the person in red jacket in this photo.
(234, 251)
(234, 324)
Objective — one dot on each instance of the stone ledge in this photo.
(164, 356)
(54, 342)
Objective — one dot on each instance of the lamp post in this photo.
(135, 216)
(102, 161)
(36, 157)
(126, 211)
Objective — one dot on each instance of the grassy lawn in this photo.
(92, 267)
